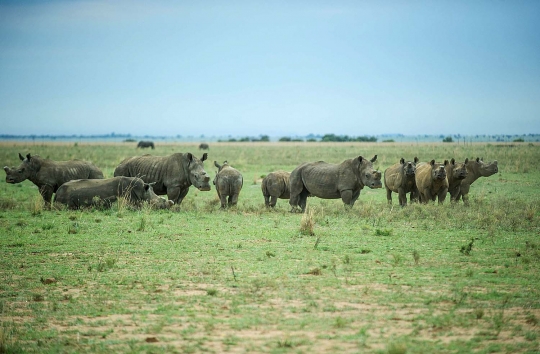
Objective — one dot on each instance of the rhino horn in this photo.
(374, 158)
(204, 156)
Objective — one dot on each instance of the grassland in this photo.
(374, 279)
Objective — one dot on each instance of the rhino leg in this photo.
(402, 197)
(46, 193)
(442, 195)
(233, 200)
(388, 195)
(347, 197)
(223, 200)
(266, 200)
(273, 201)
(176, 194)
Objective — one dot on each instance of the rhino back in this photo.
(423, 175)
(230, 181)
(277, 184)
(163, 170)
(321, 179)
(394, 177)
(56, 173)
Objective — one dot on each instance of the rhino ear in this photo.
(415, 159)
(432, 162)
(21, 157)
(216, 164)
(6, 169)
(28, 156)
(482, 159)
(360, 158)
(204, 156)
(446, 162)
(374, 158)
(402, 161)
(477, 159)
(190, 156)
(453, 161)
(466, 160)
(146, 187)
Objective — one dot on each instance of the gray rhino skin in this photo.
(204, 146)
(103, 192)
(475, 169)
(431, 181)
(173, 175)
(455, 173)
(49, 175)
(228, 182)
(145, 144)
(275, 185)
(332, 181)
(400, 178)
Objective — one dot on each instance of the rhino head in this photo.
(27, 168)
(459, 170)
(438, 172)
(409, 167)
(368, 176)
(197, 175)
(487, 169)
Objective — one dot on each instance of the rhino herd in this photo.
(144, 178)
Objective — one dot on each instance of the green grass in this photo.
(376, 278)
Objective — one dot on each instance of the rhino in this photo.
(456, 173)
(204, 146)
(49, 175)
(431, 181)
(145, 144)
(228, 182)
(275, 185)
(332, 181)
(475, 169)
(173, 174)
(103, 192)
(400, 178)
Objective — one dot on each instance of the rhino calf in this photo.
(49, 175)
(103, 192)
(475, 169)
(228, 182)
(332, 181)
(145, 144)
(431, 181)
(275, 185)
(400, 178)
(456, 173)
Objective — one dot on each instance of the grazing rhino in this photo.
(103, 192)
(456, 173)
(228, 182)
(172, 174)
(400, 178)
(49, 175)
(332, 181)
(431, 181)
(204, 146)
(145, 144)
(275, 185)
(475, 169)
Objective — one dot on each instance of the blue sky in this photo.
(280, 68)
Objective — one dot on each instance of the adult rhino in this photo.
(475, 169)
(204, 146)
(173, 175)
(275, 185)
(431, 181)
(456, 172)
(103, 192)
(400, 178)
(228, 182)
(49, 175)
(145, 144)
(332, 181)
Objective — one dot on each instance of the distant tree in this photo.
(264, 138)
(244, 139)
(311, 140)
(448, 139)
(285, 138)
(298, 140)
(519, 140)
(388, 141)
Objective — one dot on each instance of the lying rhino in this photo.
(431, 181)
(475, 169)
(456, 173)
(173, 175)
(145, 144)
(204, 146)
(228, 183)
(103, 192)
(330, 181)
(275, 185)
(400, 178)
(49, 175)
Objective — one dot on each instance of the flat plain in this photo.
(376, 278)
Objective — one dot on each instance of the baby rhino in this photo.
(400, 178)
(274, 186)
(228, 183)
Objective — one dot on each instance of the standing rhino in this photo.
(172, 174)
(145, 144)
(275, 185)
(228, 183)
(204, 146)
(49, 175)
(103, 192)
(400, 178)
(456, 173)
(475, 169)
(431, 181)
(331, 181)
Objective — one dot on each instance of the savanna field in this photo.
(377, 278)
